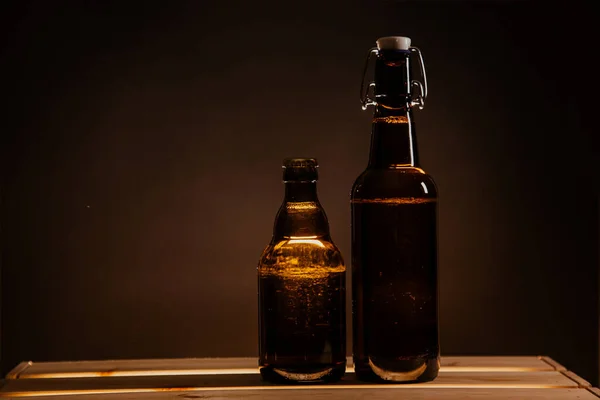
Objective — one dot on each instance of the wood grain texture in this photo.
(225, 378)
(345, 394)
(195, 366)
(457, 380)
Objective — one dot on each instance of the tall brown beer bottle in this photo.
(394, 232)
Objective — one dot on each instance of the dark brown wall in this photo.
(141, 173)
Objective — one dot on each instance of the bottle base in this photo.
(316, 373)
(412, 370)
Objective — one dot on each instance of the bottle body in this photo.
(302, 297)
(394, 276)
(302, 303)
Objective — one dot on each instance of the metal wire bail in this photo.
(421, 87)
(365, 100)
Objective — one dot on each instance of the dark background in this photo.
(141, 167)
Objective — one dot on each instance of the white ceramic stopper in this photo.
(393, 43)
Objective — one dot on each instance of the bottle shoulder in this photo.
(304, 218)
(394, 182)
(301, 255)
(289, 245)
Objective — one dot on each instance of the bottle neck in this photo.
(300, 191)
(393, 140)
(301, 214)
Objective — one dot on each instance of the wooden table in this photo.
(489, 378)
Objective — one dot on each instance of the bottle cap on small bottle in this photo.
(300, 169)
(393, 43)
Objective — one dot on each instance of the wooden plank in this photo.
(14, 374)
(456, 380)
(582, 383)
(318, 393)
(142, 367)
(494, 364)
(553, 363)
(595, 391)
(207, 366)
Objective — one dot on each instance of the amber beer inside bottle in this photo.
(394, 241)
(301, 288)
